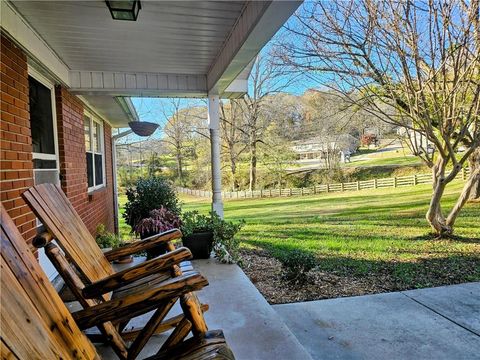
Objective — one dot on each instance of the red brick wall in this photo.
(16, 167)
(96, 207)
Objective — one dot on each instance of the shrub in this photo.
(149, 194)
(296, 265)
(160, 220)
(106, 239)
(225, 245)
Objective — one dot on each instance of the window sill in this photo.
(95, 193)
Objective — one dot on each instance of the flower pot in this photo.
(127, 259)
(200, 244)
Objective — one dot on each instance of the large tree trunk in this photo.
(474, 163)
(253, 166)
(434, 215)
(233, 170)
(253, 160)
(179, 167)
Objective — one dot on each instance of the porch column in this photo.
(214, 125)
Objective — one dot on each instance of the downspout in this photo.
(115, 186)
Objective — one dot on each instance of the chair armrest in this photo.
(130, 306)
(142, 245)
(134, 273)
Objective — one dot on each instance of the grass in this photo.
(362, 233)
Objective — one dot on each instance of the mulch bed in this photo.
(265, 272)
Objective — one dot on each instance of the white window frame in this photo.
(51, 86)
(93, 119)
(45, 263)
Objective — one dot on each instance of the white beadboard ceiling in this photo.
(181, 37)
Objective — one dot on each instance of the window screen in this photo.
(41, 117)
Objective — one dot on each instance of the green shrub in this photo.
(296, 264)
(149, 194)
(106, 239)
(225, 244)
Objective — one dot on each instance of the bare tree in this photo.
(233, 136)
(422, 58)
(178, 132)
(266, 79)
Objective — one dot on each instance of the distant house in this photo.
(318, 147)
(417, 142)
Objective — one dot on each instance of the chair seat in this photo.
(211, 346)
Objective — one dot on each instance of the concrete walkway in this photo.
(436, 323)
(252, 328)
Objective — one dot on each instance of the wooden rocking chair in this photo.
(98, 282)
(35, 323)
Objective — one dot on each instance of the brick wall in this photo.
(96, 207)
(16, 168)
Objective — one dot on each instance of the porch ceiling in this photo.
(174, 49)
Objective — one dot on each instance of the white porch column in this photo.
(214, 125)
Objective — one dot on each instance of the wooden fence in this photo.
(394, 182)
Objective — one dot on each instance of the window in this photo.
(95, 152)
(42, 115)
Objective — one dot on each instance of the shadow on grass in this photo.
(455, 238)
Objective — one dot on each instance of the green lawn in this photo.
(363, 233)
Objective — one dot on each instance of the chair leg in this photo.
(193, 311)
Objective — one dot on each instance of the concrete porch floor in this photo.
(252, 328)
(435, 323)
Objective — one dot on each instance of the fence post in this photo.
(301, 189)
(375, 183)
(328, 188)
(415, 179)
(358, 185)
(394, 181)
(464, 175)
(290, 191)
(343, 186)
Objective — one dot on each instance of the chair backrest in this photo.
(56, 212)
(35, 324)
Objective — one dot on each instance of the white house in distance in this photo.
(316, 148)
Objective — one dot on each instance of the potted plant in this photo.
(160, 220)
(105, 239)
(197, 230)
(202, 233)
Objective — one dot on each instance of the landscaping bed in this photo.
(266, 273)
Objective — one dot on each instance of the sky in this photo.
(158, 110)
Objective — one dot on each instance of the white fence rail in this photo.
(397, 181)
